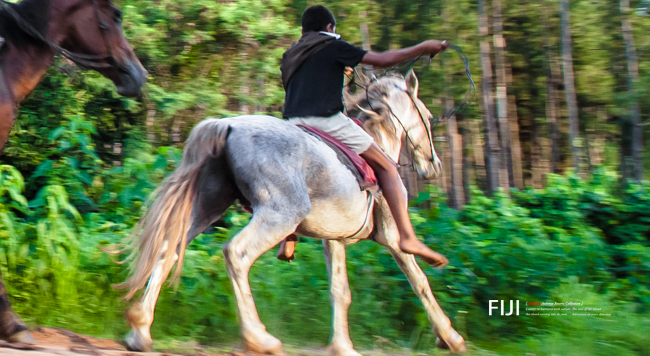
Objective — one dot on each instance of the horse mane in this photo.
(368, 104)
(36, 12)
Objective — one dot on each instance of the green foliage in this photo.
(553, 244)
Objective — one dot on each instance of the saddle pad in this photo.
(357, 165)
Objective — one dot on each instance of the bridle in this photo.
(88, 61)
(406, 132)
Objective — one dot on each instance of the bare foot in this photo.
(418, 248)
(287, 249)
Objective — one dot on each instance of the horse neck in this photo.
(391, 140)
(390, 143)
(23, 61)
(25, 58)
(21, 70)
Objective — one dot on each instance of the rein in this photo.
(88, 61)
(458, 107)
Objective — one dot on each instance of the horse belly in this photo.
(336, 217)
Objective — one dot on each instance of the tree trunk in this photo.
(515, 148)
(468, 168)
(363, 28)
(569, 85)
(456, 187)
(491, 134)
(479, 155)
(456, 193)
(632, 77)
(444, 179)
(551, 99)
(536, 155)
(506, 172)
(151, 120)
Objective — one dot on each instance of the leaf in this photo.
(161, 162)
(64, 145)
(56, 133)
(84, 177)
(17, 197)
(43, 168)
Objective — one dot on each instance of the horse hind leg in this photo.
(140, 314)
(269, 225)
(387, 234)
(340, 298)
(215, 194)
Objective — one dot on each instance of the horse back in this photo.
(272, 159)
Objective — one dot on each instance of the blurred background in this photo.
(543, 196)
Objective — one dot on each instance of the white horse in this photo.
(294, 183)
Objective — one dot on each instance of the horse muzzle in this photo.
(430, 169)
(131, 79)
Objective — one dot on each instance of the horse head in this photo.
(91, 33)
(391, 112)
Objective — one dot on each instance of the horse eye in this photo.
(118, 16)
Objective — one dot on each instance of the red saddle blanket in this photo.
(357, 165)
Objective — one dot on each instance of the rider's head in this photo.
(317, 18)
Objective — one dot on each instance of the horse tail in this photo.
(163, 229)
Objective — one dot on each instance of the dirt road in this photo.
(53, 341)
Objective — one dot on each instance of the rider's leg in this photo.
(393, 190)
(344, 129)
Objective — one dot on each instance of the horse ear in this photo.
(412, 84)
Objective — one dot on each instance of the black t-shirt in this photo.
(316, 88)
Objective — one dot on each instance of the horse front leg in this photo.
(140, 315)
(340, 298)
(387, 235)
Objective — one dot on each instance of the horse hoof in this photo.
(137, 343)
(23, 337)
(264, 343)
(456, 344)
(334, 350)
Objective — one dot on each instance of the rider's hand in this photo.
(434, 47)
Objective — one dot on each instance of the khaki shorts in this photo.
(341, 128)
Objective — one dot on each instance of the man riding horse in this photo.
(294, 182)
(320, 56)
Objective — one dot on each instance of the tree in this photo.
(506, 170)
(632, 78)
(491, 134)
(569, 85)
(552, 75)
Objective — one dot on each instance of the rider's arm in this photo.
(397, 56)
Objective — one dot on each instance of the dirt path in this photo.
(54, 341)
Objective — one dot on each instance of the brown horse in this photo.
(88, 32)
